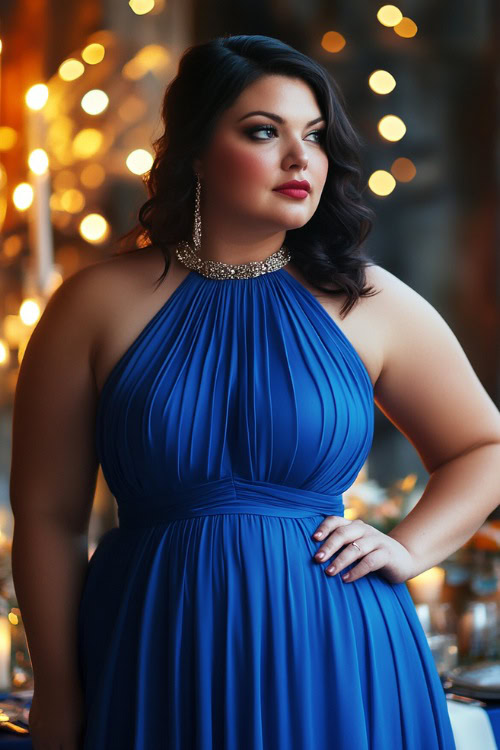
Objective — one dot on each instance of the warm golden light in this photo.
(407, 483)
(5, 647)
(8, 138)
(64, 180)
(332, 41)
(72, 200)
(381, 82)
(381, 182)
(22, 196)
(351, 514)
(21, 349)
(87, 143)
(92, 175)
(36, 96)
(152, 57)
(59, 137)
(427, 586)
(55, 202)
(63, 153)
(38, 161)
(93, 53)
(389, 15)
(29, 312)
(406, 28)
(12, 245)
(61, 220)
(4, 352)
(391, 127)
(13, 618)
(71, 69)
(139, 161)
(3, 196)
(14, 330)
(55, 280)
(141, 7)
(403, 169)
(132, 108)
(94, 228)
(94, 102)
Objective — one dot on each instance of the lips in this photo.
(294, 185)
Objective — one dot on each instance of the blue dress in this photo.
(227, 432)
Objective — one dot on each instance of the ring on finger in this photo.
(331, 568)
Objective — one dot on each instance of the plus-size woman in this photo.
(231, 405)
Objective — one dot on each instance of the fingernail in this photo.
(318, 534)
(320, 555)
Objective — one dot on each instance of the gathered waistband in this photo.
(227, 495)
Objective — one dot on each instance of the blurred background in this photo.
(81, 85)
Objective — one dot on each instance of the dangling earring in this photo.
(197, 217)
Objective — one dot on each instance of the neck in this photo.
(235, 253)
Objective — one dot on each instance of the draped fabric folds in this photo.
(227, 432)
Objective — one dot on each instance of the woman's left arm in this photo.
(430, 392)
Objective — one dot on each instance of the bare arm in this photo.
(430, 392)
(52, 481)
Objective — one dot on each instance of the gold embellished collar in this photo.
(214, 269)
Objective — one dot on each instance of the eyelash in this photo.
(258, 128)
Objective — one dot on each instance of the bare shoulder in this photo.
(53, 451)
(53, 458)
(127, 296)
(427, 387)
(78, 311)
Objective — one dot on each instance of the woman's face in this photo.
(249, 156)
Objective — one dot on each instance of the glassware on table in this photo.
(479, 631)
(439, 622)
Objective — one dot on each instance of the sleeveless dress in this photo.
(227, 432)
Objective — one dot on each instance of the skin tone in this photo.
(242, 218)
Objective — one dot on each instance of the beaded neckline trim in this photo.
(214, 269)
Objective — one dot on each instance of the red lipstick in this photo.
(294, 188)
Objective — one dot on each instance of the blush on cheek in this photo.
(241, 170)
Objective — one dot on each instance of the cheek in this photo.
(243, 168)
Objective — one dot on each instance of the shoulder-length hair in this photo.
(210, 78)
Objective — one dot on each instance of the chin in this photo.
(298, 223)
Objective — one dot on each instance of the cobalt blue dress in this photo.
(227, 432)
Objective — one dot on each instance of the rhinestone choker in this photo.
(214, 269)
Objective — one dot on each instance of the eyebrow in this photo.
(277, 118)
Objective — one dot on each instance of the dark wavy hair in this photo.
(210, 78)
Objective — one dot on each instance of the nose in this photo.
(297, 155)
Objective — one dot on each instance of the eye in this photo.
(258, 129)
(319, 133)
(271, 128)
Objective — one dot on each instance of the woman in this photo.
(230, 408)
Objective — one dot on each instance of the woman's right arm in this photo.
(52, 484)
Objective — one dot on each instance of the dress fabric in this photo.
(227, 432)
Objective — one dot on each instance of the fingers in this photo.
(370, 562)
(373, 550)
(329, 524)
(340, 531)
